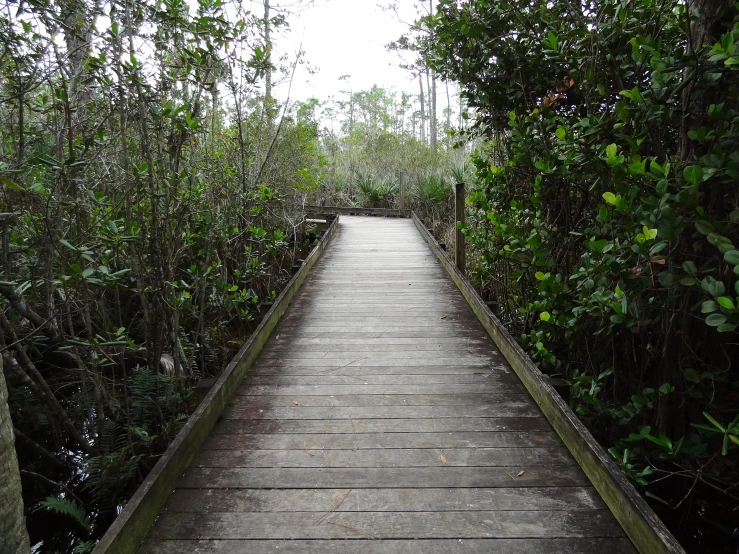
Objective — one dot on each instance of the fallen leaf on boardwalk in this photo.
(277, 337)
(442, 459)
(521, 472)
(295, 402)
(443, 317)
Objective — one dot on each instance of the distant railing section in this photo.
(341, 210)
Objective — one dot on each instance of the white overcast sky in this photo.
(344, 37)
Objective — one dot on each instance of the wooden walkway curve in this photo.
(381, 418)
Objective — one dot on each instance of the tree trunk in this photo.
(268, 52)
(79, 21)
(432, 109)
(423, 115)
(13, 534)
(448, 108)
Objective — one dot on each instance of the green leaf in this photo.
(649, 234)
(68, 508)
(732, 257)
(610, 198)
(713, 287)
(693, 174)
(715, 423)
(690, 268)
(552, 40)
(657, 498)
(11, 184)
(714, 320)
(545, 316)
(611, 150)
(561, 133)
(665, 279)
(704, 227)
(726, 328)
(725, 302)
(540, 276)
(692, 375)
(708, 307)
(67, 245)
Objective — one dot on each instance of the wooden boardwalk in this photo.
(381, 418)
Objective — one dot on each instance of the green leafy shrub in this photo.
(376, 192)
(603, 214)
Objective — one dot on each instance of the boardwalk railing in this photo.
(131, 526)
(341, 210)
(646, 531)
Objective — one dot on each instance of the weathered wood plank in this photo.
(342, 426)
(385, 500)
(361, 441)
(411, 546)
(370, 360)
(373, 400)
(359, 320)
(287, 369)
(337, 390)
(389, 352)
(385, 525)
(512, 409)
(304, 342)
(382, 478)
(391, 379)
(311, 330)
(401, 457)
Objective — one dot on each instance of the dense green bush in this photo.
(150, 204)
(603, 214)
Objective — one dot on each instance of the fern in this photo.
(459, 173)
(144, 385)
(69, 508)
(110, 474)
(433, 189)
(83, 547)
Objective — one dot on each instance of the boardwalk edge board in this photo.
(340, 210)
(131, 526)
(647, 532)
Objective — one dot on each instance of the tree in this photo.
(423, 115)
(13, 534)
(267, 22)
(420, 31)
(145, 219)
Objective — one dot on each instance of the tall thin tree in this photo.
(423, 114)
(13, 534)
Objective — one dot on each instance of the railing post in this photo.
(402, 192)
(458, 235)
